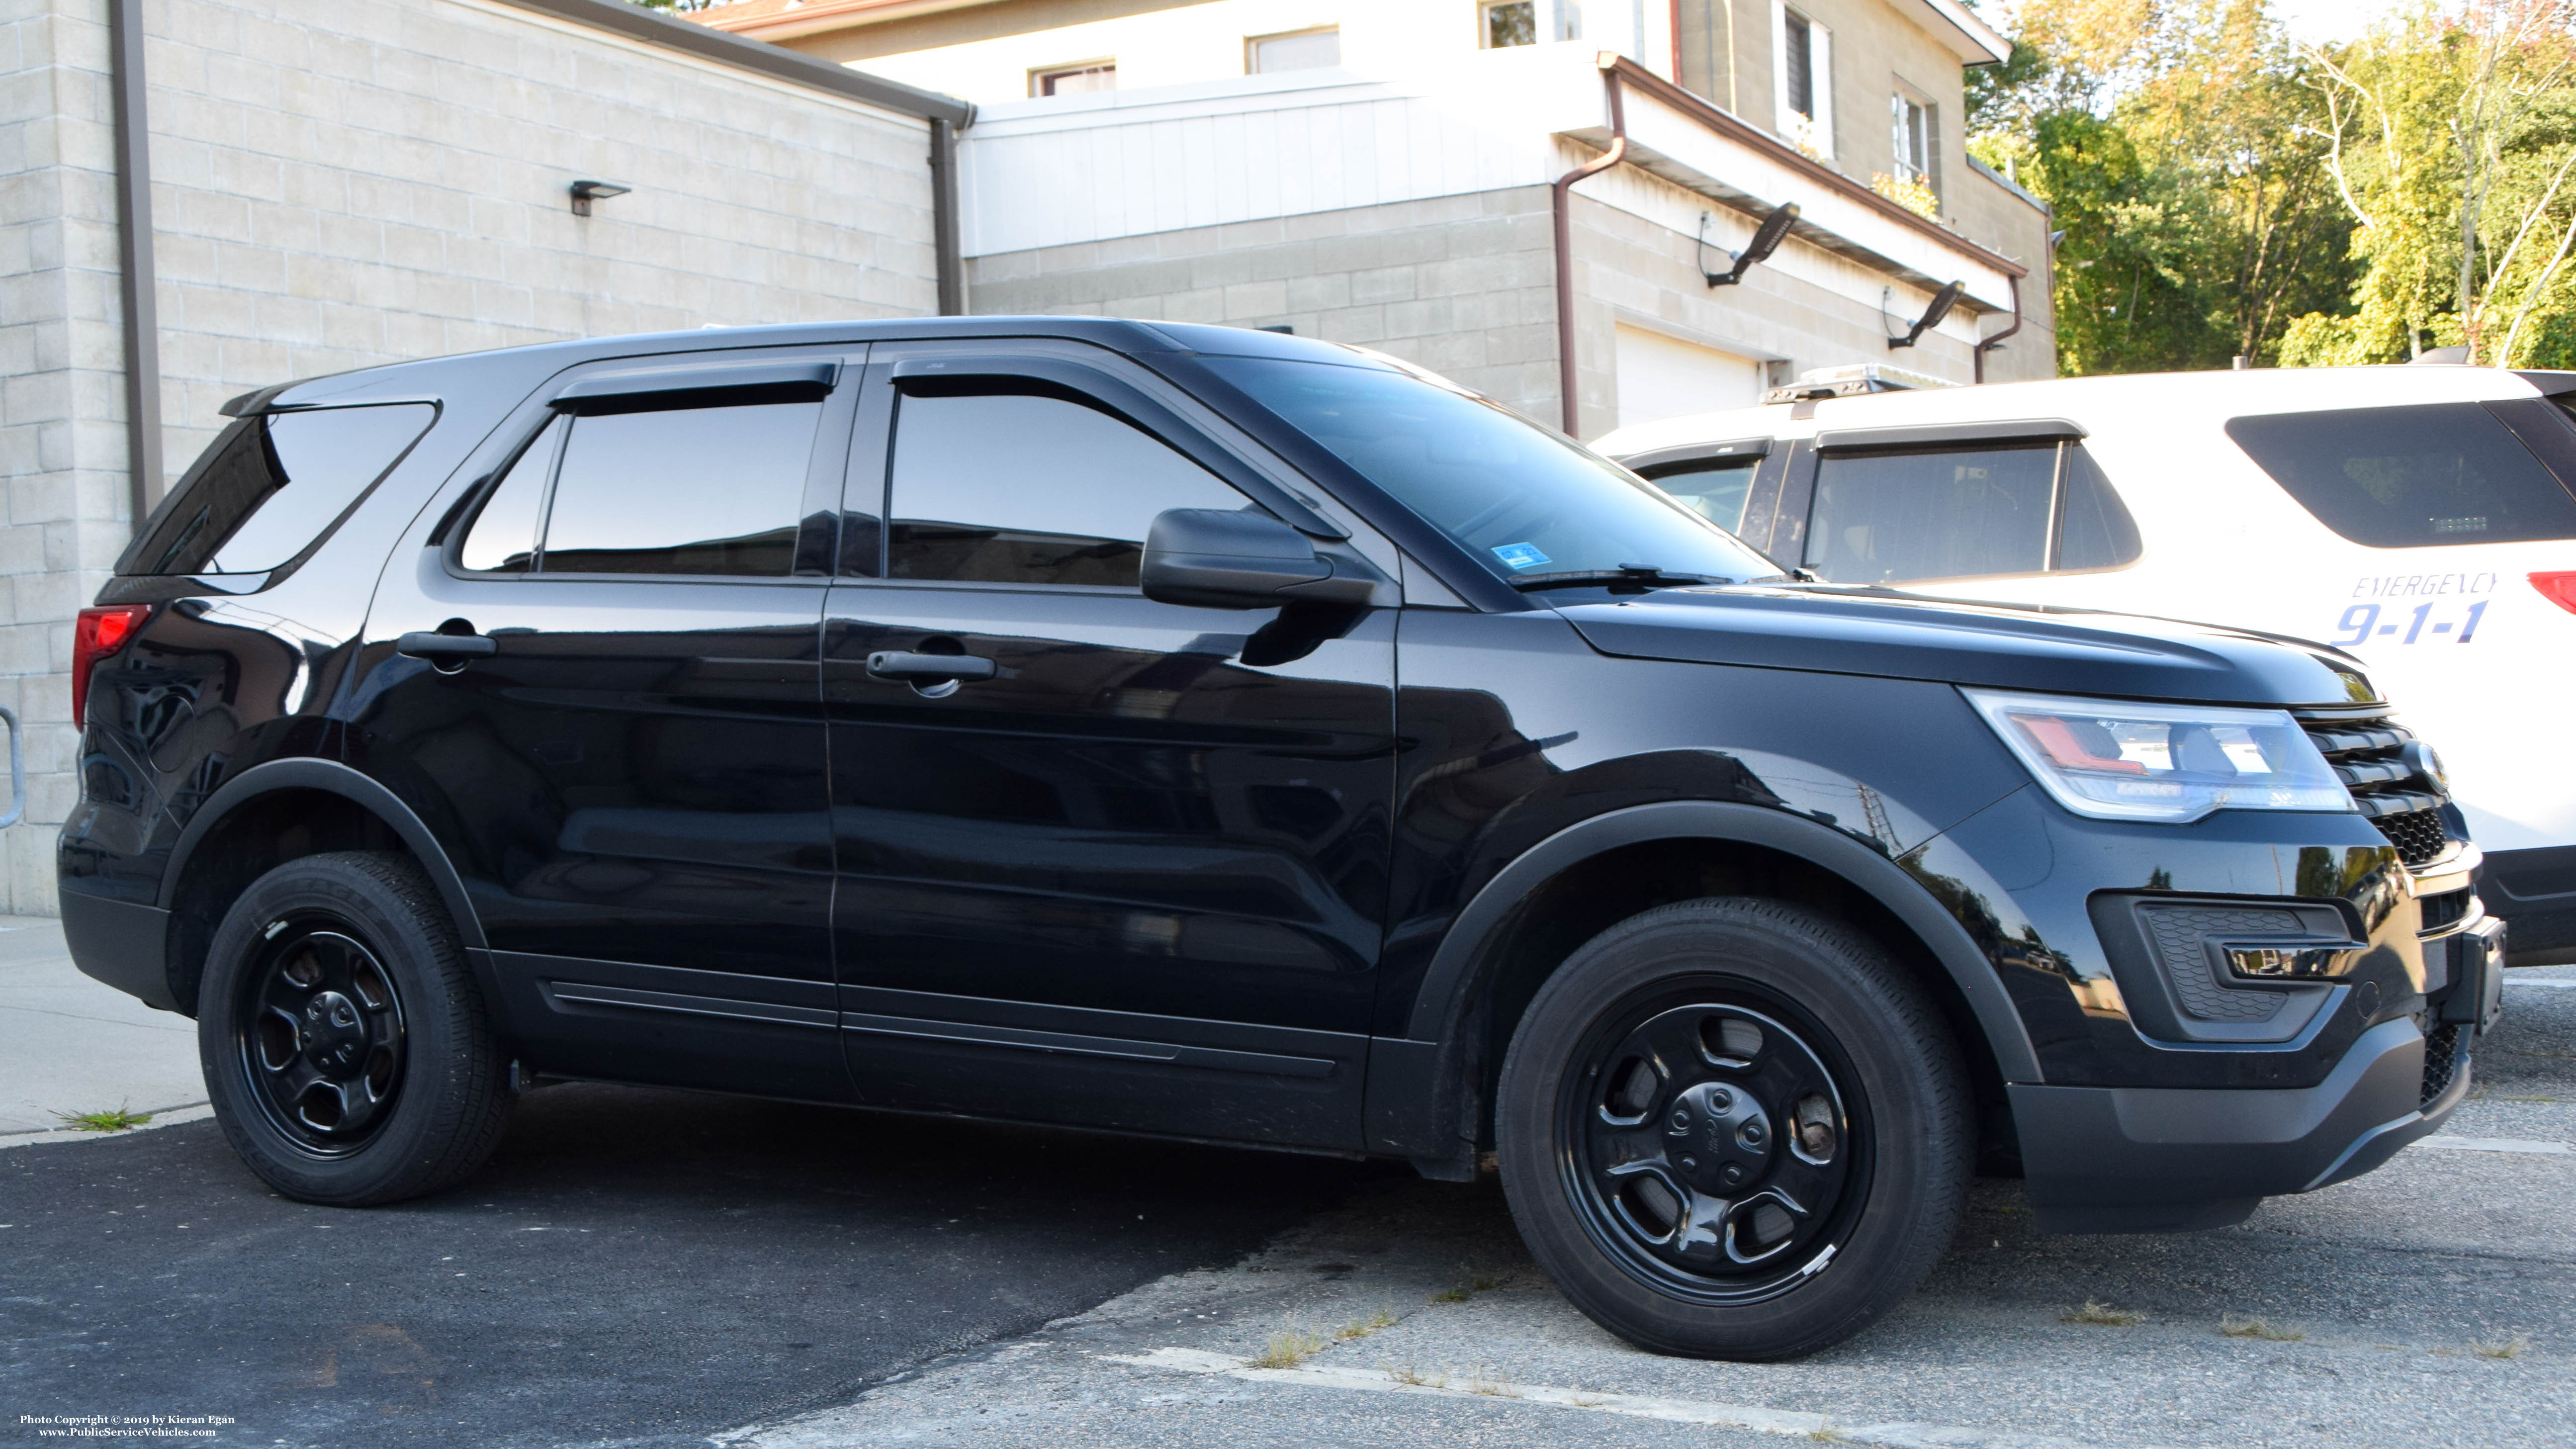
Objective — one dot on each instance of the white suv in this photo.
(2421, 518)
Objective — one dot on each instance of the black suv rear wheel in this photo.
(1734, 1128)
(346, 1047)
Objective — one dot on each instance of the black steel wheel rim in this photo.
(320, 1033)
(1714, 1141)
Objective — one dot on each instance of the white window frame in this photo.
(1040, 75)
(1252, 48)
(1901, 135)
(1819, 128)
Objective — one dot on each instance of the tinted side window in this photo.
(1884, 518)
(504, 534)
(2094, 529)
(686, 491)
(1715, 491)
(1030, 490)
(2410, 477)
(271, 485)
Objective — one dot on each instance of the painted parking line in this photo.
(2497, 1144)
(1636, 1406)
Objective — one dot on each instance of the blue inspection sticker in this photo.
(1521, 555)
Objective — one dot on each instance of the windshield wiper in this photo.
(1634, 576)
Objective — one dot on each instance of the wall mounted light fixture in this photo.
(1766, 240)
(586, 192)
(1942, 302)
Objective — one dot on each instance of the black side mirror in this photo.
(1213, 558)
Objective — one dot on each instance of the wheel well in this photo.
(250, 841)
(1593, 895)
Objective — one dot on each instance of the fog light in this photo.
(2289, 963)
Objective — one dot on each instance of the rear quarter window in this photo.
(2414, 477)
(270, 485)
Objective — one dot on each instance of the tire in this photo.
(1734, 1128)
(347, 1049)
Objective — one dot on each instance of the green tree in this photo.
(2451, 139)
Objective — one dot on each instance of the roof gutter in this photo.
(1564, 208)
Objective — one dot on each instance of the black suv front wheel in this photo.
(1733, 1128)
(347, 1050)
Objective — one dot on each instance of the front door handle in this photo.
(446, 648)
(927, 668)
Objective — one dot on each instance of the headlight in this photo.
(2115, 760)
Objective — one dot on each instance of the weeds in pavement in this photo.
(1363, 1327)
(2514, 1347)
(1476, 1283)
(2248, 1326)
(1450, 1295)
(1287, 1350)
(1824, 1433)
(1490, 1388)
(119, 1120)
(2103, 1314)
(1416, 1378)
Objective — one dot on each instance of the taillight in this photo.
(97, 635)
(2559, 589)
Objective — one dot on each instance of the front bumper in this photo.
(2164, 1159)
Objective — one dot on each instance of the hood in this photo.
(2001, 646)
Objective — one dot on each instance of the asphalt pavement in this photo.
(653, 1268)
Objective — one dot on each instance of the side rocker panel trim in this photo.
(1406, 1109)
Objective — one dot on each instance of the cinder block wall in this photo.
(339, 183)
(1464, 285)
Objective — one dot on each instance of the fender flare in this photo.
(338, 779)
(1422, 1072)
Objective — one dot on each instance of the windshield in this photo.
(1535, 509)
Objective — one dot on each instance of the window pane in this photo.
(1714, 491)
(2094, 530)
(1076, 80)
(504, 535)
(1525, 502)
(1309, 51)
(1512, 23)
(689, 491)
(2410, 477)
(271, 485)
(1030, 490)
(1798, 61)
(1885, 518)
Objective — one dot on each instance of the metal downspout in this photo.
(136, 292)
(949, 252)
(1564, 203)
(1989, 344)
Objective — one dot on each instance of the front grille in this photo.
(2445, 910)
(2369, 756)
(2441, 1059)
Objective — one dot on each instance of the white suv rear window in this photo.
(2415, 477)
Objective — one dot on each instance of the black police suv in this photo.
(1229, 736)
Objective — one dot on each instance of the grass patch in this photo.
(2248, 1326)
(1363, 1327)
(1287, 1350)
(2103, 1314)
(119, 1120)
(2514, 1347)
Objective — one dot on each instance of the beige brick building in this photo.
(338, 183)
(1389, 174)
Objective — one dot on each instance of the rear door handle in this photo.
(446, 646)
(905, 665)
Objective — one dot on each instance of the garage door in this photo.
(1662, 378)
